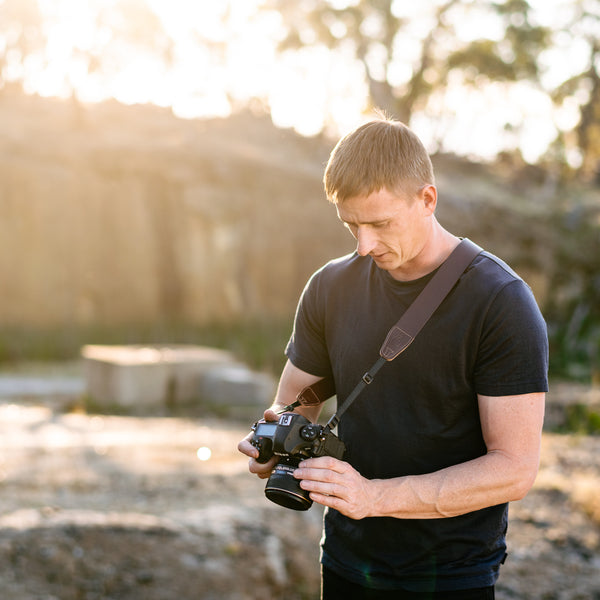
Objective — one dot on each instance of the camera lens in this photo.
(283, 489)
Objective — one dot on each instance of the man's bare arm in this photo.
(292, 381)
(511, 427)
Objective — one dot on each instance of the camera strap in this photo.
(402, 334)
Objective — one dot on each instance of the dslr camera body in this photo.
(293, 438)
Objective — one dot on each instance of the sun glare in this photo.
(221, 54)
(206, 58)
(218, 51)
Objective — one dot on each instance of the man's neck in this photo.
(437, 248)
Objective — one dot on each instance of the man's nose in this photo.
(366, 241)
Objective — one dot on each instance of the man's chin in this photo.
(383, 261)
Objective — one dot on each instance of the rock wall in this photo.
(126, 214)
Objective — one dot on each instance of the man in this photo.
(446, 434)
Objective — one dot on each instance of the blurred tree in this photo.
(122, 30)
(581, 28)
(119, 28)
(377, 32)
(573, 310)
(21, 35)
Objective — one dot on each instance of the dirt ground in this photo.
(115, 507)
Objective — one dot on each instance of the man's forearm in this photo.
(485, 481)
(292, 381)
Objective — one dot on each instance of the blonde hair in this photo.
(382, 153)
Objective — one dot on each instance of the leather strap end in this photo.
(316, 393)
(397, 341)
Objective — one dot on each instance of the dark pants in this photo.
(335, 587)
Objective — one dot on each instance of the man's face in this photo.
(390, 227)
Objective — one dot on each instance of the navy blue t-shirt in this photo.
(420, 414)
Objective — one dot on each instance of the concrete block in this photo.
(237, 388)
(136, 377)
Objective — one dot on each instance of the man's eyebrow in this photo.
(375, 222)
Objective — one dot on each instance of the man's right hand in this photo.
(292, 381)
(263, 470)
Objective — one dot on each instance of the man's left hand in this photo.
(336, 484)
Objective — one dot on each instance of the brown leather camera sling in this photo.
(402, 334)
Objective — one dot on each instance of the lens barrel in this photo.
(283, 489)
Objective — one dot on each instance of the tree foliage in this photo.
(132, 24)
(21, 25)
(377, 32)
(125, 25)
(411, 53)
(582, 26)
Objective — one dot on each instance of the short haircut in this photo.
(382, 153)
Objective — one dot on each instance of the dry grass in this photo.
(570, 464)
(586, 494)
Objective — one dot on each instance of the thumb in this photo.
(270, 415)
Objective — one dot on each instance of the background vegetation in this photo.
(540, 210)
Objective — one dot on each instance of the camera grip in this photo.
(265, 450)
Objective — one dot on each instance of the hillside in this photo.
(118, 214)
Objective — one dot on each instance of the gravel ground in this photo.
(116, 507)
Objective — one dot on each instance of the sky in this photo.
(310, 90)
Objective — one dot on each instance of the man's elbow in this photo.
(524, 476)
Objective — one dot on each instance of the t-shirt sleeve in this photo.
(512, 357)
(307, 347)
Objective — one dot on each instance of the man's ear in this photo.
(429, 198)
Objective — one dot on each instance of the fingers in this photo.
(336, 484)
(245, 447)
(324, 474)
(328, 489)
(263, 470)
(337, 490)
(325, 462)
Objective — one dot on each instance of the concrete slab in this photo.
(138, 376)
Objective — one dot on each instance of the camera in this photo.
(293, 438)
